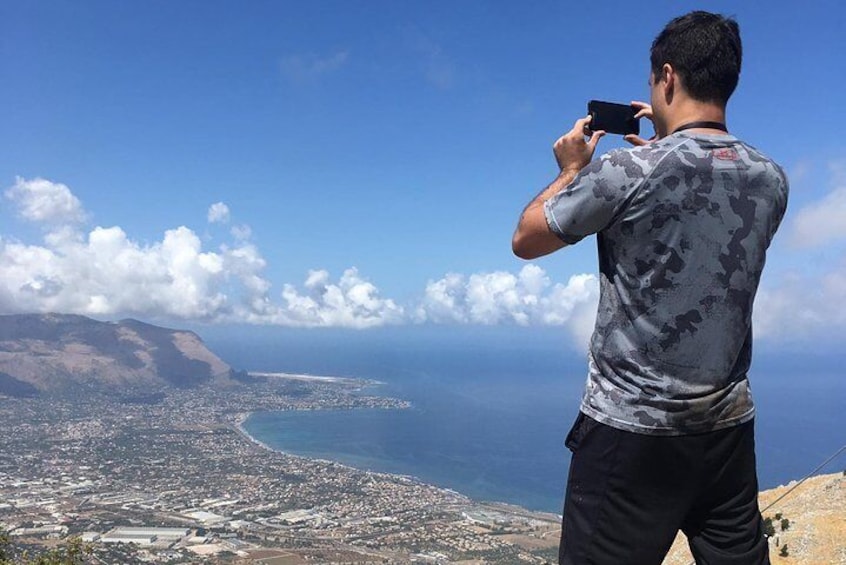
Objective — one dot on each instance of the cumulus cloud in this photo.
(304, 67)
(822, 222)
(218, 213)
(351, 302)
(803, 308)
(104, 271)
(801, 305)
(526, 298)
(44, 201)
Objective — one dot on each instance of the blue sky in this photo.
(399, 139)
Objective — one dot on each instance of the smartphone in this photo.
(613, 118)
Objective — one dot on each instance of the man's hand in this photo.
(571, 150)
(644, 111)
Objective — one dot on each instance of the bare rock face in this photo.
(59, 353)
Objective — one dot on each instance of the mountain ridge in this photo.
(55, 353)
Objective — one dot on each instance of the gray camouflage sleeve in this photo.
(595, 198)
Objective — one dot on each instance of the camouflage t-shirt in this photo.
(682, 228)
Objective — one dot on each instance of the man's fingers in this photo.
(582, 125)
(644, 109)
(594, 139)
(572, 150)
(635, 140)
(638, 141)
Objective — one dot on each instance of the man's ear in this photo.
(669, 78)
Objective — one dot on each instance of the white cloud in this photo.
(218, 213)
(43, 201)
(527, 298)
(352, 302)
(824, 221)
(304, 67)
(803, 308)
(105, 272)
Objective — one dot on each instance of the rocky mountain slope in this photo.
(61, 353)
(807, 527)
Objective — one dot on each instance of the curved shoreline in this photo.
(244, 416)
(239, 427)
(360, 383)
(362, 465)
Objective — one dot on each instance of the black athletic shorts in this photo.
(629, 494)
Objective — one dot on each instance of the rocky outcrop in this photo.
(806, 527)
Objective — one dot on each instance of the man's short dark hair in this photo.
(705, 50)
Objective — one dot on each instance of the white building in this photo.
(145, 536)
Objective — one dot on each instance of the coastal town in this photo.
(170, 476)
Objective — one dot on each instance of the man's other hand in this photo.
(644, 111)
(571, 150)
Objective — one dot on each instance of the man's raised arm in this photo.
(533, 238)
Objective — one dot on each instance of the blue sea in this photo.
(491, 406)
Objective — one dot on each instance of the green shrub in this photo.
(72, 552)
(785, 524)
(769, 530)
(4, 545)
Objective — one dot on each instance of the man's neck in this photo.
(694, 111)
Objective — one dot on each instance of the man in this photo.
(664, 438)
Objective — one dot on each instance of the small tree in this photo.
(783, 552)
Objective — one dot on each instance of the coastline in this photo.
(242, 417)
(317, 378)
(239, 427)
(470, 503)
(474, 525)
(821, 495)
(354, 384)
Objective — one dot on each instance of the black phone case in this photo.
(613, 118)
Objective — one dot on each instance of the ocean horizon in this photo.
(489, 411)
